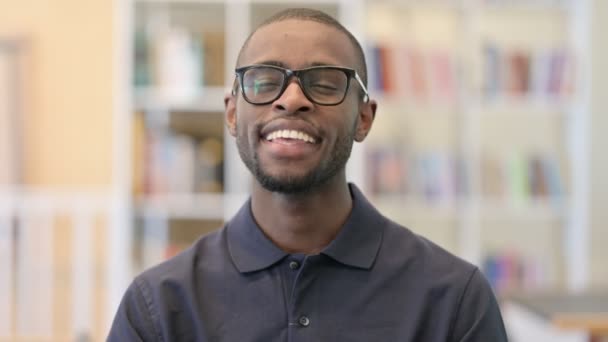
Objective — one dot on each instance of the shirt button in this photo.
(294, 265)
(304, 321)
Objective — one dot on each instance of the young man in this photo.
(307, 258)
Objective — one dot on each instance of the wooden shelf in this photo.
(203, 206)
(207, 99)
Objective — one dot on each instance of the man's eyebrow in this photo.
(282, 65)
(315, 64)
(272, 62)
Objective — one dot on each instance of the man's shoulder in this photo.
(208, 252)
(404, 250)
(422, 256)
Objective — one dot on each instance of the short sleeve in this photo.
(134, 319)
(478, 317)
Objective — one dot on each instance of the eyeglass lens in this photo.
(321, 85)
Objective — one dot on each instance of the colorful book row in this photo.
(513, 272)
(413, 73)
(521, 178)
(436, 176)
(176, 163)
(442, 176)
(543, 73)
(432, 75)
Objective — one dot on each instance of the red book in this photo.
(418, 76)
(518, 74)
(387, 70)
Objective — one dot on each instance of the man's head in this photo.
(296, 142)
(307, 14)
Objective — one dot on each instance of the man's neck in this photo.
(302, 223)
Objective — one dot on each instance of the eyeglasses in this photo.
(323, 85)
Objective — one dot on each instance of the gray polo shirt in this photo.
(377, 281)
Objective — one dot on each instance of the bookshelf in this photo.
(177, 138)
(479, 104)
(476, 143)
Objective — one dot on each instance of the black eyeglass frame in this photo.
(288, 73)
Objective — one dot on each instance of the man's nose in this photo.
(293, 99)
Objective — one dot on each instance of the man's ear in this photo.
(367, 113)
(230, 110)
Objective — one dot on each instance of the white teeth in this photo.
(290, 134)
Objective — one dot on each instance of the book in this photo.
(492, 71)
(213, 58)
(557, 65)
(492, 178)
(141, 64)
(418, 81)
(178, 64)
(460, 174)
(208, 172)
(387, 170)
(374, 68)
(442, 77)
(387, 71)
(181, 170)
(539, 74)
(517, 179)
(139, 154)
(550, 169)
(537, 181)
(569, 77)
(517, 78)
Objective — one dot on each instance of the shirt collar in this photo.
(249, 248)
(356, 244)
(359, 240)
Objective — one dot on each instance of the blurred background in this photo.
(488, 140)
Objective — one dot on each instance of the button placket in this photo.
(300, 311)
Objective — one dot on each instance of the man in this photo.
(307, 258)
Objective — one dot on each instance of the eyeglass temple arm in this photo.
(235, 85)
(366, 95)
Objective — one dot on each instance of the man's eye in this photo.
(264, 86)
(324, 87)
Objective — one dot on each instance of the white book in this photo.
(182, 172)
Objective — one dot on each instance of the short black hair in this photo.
(319, 17)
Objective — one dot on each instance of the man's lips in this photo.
(289, 139)
(290, 134)
(290, 129)
(289, 148)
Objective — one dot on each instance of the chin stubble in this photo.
(289, 184)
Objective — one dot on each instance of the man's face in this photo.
(281, 160)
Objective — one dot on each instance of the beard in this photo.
(298, 184)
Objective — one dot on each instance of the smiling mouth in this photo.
(293, 135)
